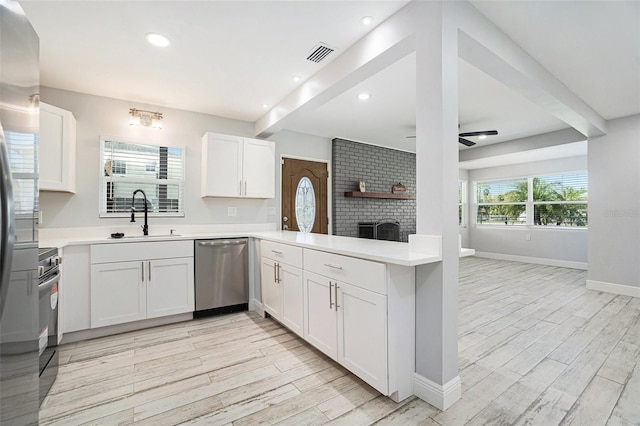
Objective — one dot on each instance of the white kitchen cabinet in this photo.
(320, 319)
(233, 166)
(135, 281)
(349, 324)
(118, 293)
(170, 287)
(282, 286)
(57, 145)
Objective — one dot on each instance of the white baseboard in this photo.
(625, 290)
(256, 306)
(536, 260)
(440, 396)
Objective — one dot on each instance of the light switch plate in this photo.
(232, 211)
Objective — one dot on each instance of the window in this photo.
(23, 161)
(548, 200)
(560, 200)
(157, 170)
(502, 202)
(462, 203)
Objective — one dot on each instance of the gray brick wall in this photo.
(380, 168)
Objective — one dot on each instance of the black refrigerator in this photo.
(19, 129)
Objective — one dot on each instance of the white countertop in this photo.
(380, 251)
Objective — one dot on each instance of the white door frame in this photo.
(329, 189)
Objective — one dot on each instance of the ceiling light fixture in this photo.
(296, 78)
(364, 96)
(157, 39)
(265, 106)
(140, 117)
(366, 20)
(482, 137)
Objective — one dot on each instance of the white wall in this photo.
(560, 246)
(98, 116)
(614, 204)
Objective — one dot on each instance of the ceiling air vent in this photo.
(319, 52)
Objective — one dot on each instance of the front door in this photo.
(304, 196)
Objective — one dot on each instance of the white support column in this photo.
(436, 378)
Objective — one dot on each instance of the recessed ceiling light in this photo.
(482, 137)
(158, 40)
(364, 96)
(296, 78)
(265, 106)
(366, 20)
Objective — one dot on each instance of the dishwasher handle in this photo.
(222, 243)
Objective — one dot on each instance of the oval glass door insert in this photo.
(305, 205)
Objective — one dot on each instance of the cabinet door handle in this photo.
(279, 279)
(335, 291)
(142, 264)
(330, 300)
(245, 187)
(328, 265)
(240, 187)
(275, 273)
(149, 271)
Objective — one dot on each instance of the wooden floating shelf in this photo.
(358, 194)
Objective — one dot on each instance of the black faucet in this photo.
(145, 227)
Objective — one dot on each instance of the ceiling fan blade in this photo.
(482, 133)
(466, 142)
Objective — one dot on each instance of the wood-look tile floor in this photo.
(535, 348)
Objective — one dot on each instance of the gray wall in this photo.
(98, 116)
(381, 168)
(569, 245)
(614, 203)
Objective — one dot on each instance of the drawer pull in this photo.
(328, 265)
(330, 300)
(276, 251)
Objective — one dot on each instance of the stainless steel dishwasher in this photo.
(222, 276)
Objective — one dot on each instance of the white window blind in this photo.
(23, 157)
(545, 200)
(502, 202)
(157, 170)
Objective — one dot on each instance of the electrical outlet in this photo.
(527, 237)
(232, 211)
(271, 211)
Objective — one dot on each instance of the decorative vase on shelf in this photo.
(363, 187)
(398, 189)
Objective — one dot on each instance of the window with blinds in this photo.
(157, 170)
(502, 202)
(545, 200)
(23, 159)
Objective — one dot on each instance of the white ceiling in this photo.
(229, 57)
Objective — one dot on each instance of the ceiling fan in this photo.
(467, 142)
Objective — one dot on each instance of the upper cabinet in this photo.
(57, 149)
(233, 166)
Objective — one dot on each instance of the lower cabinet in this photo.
(125, 291)
(282, 293)
(349, 324)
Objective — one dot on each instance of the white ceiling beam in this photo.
(389, 42)
(480, 42)
(486, 47)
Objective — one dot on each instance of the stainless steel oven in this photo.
(49, 279)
